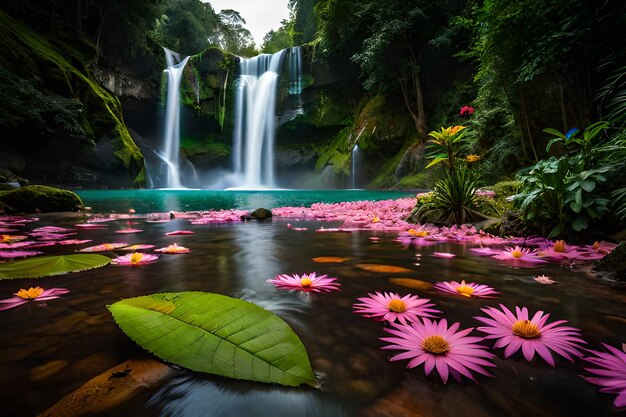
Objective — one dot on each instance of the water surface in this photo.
(48, 351)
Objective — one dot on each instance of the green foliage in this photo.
(46, 266)
(216, 334)
(585, 145)
(556, 196)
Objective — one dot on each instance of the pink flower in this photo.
(437, 346)
(306, 282)
(445, 255)
(470, 289)
(517, 331)
(173, 249)
(519, 256)
(544, 280)
(609, 369)
(18, 253)
(104, 247)
(179, 232)
(391, 307)
(134, 259)
(32, 294)
(129, 230)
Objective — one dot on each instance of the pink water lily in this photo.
(179, 232)
(32, 294)
(544, 280)
(129, 230)
(445, 255)
(137, 247)
(516, 331)
(609, 372)
(391, 307)
(437, 346)
(104, 247)
(519, 256)
(173, 249)
(466, 289)
(8, 254)
(305, 282)
(134, 259)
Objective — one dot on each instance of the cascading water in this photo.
(295, 70)
(354, 157)
(255, 116)
(171, 137)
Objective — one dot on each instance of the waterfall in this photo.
(295, 70)
(255, 115)
(171, 137)
(354, 157)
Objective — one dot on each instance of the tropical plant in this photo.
(444, 146)
(556, 196)
(585, 143)
(453, 200)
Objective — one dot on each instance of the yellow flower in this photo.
(471, 158)
(136, 257)
(29, 294)
(453, 130)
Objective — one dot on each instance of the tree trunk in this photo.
(415, 108)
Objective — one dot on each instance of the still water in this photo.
(49, 351)
(165, 200)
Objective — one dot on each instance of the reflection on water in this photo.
(163, 200)
(191, 396)
(47, 351)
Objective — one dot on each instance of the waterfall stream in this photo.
(171, 137)
(255, 116)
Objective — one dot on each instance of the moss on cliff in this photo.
(64, 69)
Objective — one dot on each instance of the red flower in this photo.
(466, 111)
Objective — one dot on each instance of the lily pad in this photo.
(51, 265)
(216, 334)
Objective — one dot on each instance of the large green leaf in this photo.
(216, 334)
(51, 265)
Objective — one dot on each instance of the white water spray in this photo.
(171, 137)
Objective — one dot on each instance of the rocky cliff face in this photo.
(65, 128)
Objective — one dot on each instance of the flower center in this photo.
(559, 246)
(596, 245)
(397, 305)
(376, 219)
(517, 253)
(465, 290)
(6, 238)
(306, 282)
(435, 344)
(30, 294)
(418, 233)
(136, 257)
(526, 329)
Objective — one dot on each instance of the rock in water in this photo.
(39, 198)
(261, 214)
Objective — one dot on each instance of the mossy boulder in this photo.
(615, 262)
(39, 198)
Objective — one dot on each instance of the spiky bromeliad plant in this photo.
(453, 200)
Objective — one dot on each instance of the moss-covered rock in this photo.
(615, 262)
(39, 198)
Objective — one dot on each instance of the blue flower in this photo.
(571, 132)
